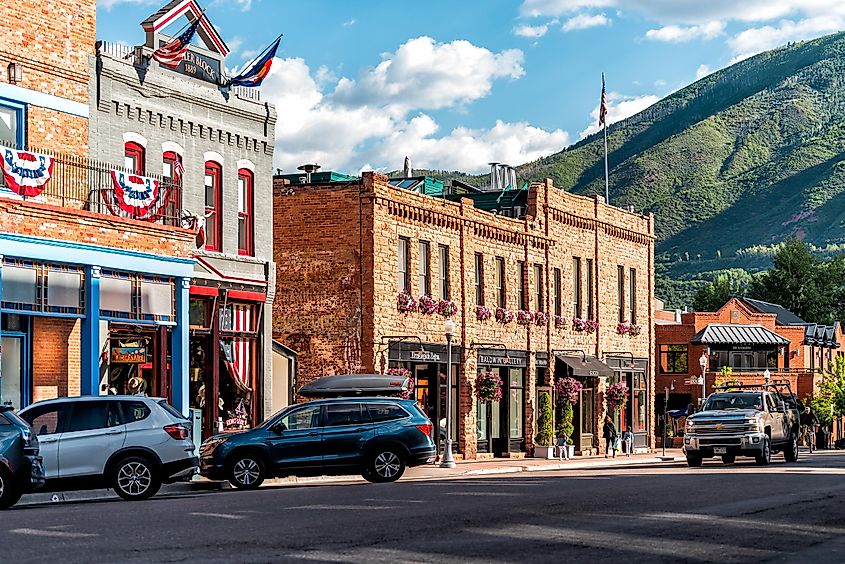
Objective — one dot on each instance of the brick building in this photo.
(216, 145)
(749, 336)
(70, 269)
(346, 247)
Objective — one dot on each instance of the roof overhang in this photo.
(586, 366)
(729, 334)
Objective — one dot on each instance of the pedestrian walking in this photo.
(562, 446)
(628, 441)
(609, 434)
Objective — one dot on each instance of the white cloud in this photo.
(660, 83)
(702, 71)
(584, 21)
(533, 30)
(676, 34)
(349, 23)
(619, 107)
(758, 39)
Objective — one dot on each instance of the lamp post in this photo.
(449, 329)
(702, 362)
(665, 417)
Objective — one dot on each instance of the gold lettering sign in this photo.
(129, 355)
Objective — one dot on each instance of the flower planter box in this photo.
(547, 452)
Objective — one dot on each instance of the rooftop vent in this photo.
(502, 176)
(308, 169)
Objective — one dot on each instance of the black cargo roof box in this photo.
(355, 385)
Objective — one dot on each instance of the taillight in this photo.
(177, 431)
(426, 429)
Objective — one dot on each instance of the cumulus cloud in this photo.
(584, 21)
(758, 39)
(677, 34)
(619, 107)
(533, 30)
(702, 71)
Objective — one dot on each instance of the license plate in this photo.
(720, 450)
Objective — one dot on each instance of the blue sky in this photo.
(455, 84)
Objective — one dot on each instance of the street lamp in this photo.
(449, 329)
(767, 376)
(702, 362)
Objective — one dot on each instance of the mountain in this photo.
(730, 165)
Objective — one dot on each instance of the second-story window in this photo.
(501, 289)
(443, 264)
(171, 169)
(590, 298)
(523, 283)
(403, 266)
(576, 287)
(12, 126)
(556, 291)
(632, 295)
(133, 158)
(424, 269)
(246, 231)
(538, 288)
(620, 292)
(479, 279)
(213, 206)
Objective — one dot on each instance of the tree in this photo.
(545, 426)
(714, 295)
(792, 282)
(828, 401)
(564, 420)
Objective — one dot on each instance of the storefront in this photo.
(633, 372)
(501, 425)
(587, 370)
(427, 363)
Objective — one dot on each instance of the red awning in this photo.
(203, 291)
(248, 296)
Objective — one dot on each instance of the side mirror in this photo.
(279, 428)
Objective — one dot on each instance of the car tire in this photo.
(135, 478)
(694, 461)
(9, 492)
(765, 456)
(790, 453)
(384, 465)
(728, 458)
(246, 471)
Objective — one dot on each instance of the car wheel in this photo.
(728, 458)
(693, 461)
(765, 456)
(9, 493)
(135, 478)
(790, 453)
(385, 465)
(246, 472)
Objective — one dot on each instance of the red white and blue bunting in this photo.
(26, 173)
(138, 197)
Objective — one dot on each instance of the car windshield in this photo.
(746, 400)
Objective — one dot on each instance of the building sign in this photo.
(542, 360)
(197, 65)
(430, 352)
(129, 355)
(501, 359)
(425, 356)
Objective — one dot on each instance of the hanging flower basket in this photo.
(483, 313)
(524, 317)
(587, 326)
(628, 329)
(541, 318)
(634, 330)
(426, 304)
(488, 387)
(560, 322)
(447, 308)
(405, 302)
(616, 396)
(504, 316)
(403, 373)
(568, 390)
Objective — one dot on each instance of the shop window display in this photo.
(130, 369)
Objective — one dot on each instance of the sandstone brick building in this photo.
(346, 248)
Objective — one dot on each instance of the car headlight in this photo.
(690, 425)
(755, 423)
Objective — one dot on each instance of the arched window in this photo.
(213, 206)
(173, 172)
(245, 212)
(133, 157)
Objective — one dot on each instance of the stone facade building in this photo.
(346, 249)
(216, 146)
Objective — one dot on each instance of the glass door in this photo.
(585, 419)
(516, 408)
(12, 371)
(482, 422)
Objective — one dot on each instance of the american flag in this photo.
(171, 53)
(603, 105)
(239, 362)
(178, 170)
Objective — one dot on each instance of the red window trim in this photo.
(202, 291)
(249, 183)
(137, 152)
(247, 296)
(214, 169)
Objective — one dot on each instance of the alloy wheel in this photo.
(387, 464)
(247, 471)
(134, 478)
(2, 485)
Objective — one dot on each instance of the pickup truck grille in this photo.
(722, 428)
(725, 441)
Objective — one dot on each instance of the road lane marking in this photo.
(54, 534)
(218, 515)
(351, 507)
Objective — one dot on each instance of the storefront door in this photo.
(13, 381)
(584, 418)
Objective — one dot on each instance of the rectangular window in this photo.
(539, 301)
(590, 297)
(213, 202)
(516, 403)
(245, 212)
(11, 125)
(632, 296)
(133, 158)
(576, 287)
(620, 292)
(479, 279)
(556, 290)
(443, 263)
(674, 359)
(403, 270)
(501, 295)
(523, 291)
(424, 272)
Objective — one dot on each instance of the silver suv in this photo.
(132, 444)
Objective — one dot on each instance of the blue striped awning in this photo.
(729, 334)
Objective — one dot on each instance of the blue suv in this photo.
(377, 437)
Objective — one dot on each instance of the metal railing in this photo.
(77, 182)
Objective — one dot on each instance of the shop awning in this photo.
(729, 334)
(586, 366)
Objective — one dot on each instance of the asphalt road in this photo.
(655, 513)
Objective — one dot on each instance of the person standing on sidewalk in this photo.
(563, 445)
(609, 434)
(628, 441)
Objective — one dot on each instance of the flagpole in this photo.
(606, 176)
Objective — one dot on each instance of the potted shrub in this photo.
(544, 443)
(568, 390)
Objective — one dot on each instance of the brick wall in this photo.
(55, 358)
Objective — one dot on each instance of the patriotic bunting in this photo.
(135, 196)
(238, 351)
(26, 173)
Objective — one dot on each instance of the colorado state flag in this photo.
(258, 71)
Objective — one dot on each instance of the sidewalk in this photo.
(427, 472)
